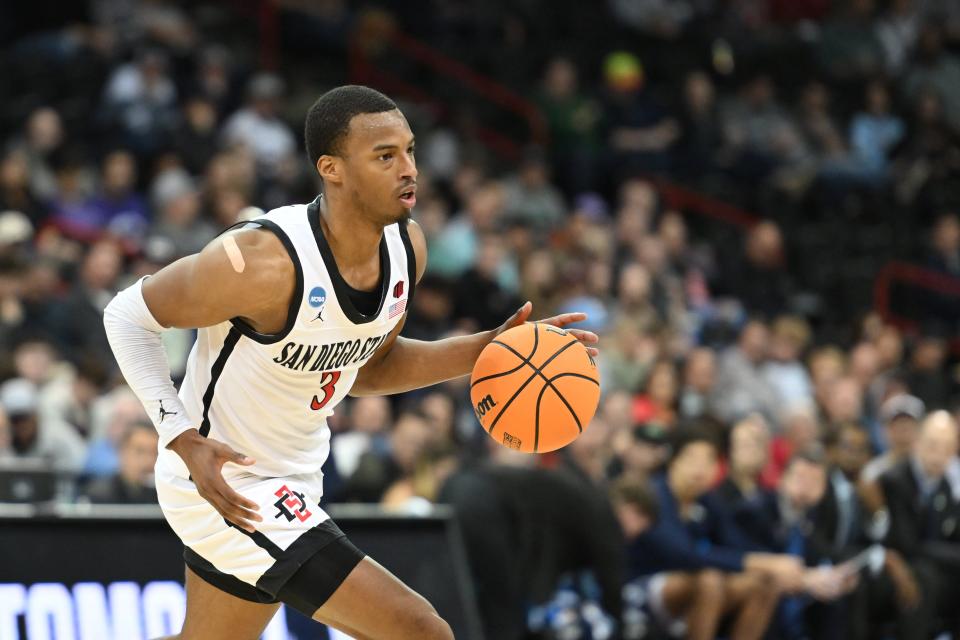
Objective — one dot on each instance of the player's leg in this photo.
(752, 598)
(697, 598)
(213, 614)
(367, 602)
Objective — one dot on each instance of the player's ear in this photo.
(329, 169)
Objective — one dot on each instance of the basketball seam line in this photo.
(536, 339)
(567, 374)
(526, 382)
(536, 372)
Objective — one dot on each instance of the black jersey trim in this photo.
(233, 337)
(339, 284)
(411, 259)
(271, 338)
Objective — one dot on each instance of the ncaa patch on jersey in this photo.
(318, 296)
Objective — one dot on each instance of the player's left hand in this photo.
(523, 315)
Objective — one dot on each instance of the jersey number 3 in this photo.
(328, 381)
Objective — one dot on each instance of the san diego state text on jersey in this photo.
(324, 357)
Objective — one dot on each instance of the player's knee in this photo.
(710, 582)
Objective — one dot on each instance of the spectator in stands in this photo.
(133, 483)
(849, 46)
(33, 436)
(749, 451)
(700, 146)
(644, 452)
(841, 513)
(43, 137)
(936, 69)
(789, 337)
(800, 431)
(179, 214)
(699, 380)
(874, 133)
(922, 161)
(785, 521)
(195, 140)
(378, 469)
(72, 210)
(924, 376)
(759, 278)
(742, 387)
(114, 416)
(822, 137)
(922, 495)
(79, 318)
(640, 132)
(140, 100)
(897, 30)
(900, 416)
(454, 250)
(120, 206)
(843, 404)
(15, 191)
(531, 198)
(258, 126)
(760, 134)
(695, 553)
(483, 295)
(658, 400)
(572, 118)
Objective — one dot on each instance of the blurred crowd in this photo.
(752, 469)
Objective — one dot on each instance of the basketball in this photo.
(535, 388)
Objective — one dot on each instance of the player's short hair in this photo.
(693, 433)
(812, 455)
(639, 495)
(328, 120)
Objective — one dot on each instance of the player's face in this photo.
(380, 171)
(694, 469)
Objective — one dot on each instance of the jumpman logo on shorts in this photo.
(164, 413)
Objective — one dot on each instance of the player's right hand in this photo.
(205, 458)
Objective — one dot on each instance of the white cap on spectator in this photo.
(14, 227)
(18, 396)
(902, 405)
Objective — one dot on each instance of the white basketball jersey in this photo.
(269, 396)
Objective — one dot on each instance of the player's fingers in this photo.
(235, 498)
(564, 319)
(243, 518)
(588, 337)
(227, 454)
(520, 316)
(593, 352)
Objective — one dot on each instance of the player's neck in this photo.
(353, 239)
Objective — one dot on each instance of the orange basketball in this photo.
(535, 388)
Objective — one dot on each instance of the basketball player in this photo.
(296, 309)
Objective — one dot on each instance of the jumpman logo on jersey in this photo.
(319, 316)
(164, 413)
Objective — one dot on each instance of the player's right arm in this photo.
(198, 291)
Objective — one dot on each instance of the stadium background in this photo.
(756, 201)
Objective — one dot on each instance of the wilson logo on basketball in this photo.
(486, 403)
(290, 505)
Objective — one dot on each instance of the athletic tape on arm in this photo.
(233, 252)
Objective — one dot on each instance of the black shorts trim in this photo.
(324, 552)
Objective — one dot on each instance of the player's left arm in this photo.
(402, 364)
